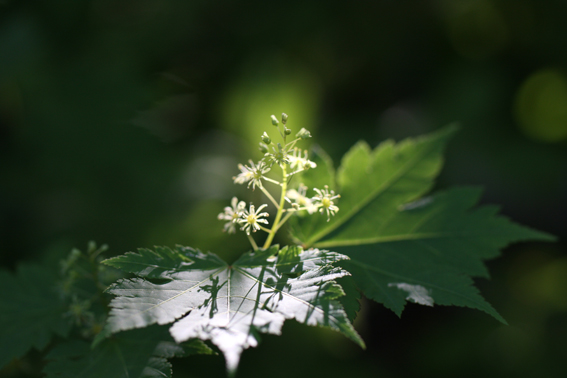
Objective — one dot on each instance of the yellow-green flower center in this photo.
(251, 219)
(326, 203)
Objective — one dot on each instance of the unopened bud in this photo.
(287, 131)
(266, 139)
(274, 120)
(263, 148)
(284, 118)
(303, 134)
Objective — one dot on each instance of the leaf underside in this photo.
(230, 305)
(402, 246)
(31, 311)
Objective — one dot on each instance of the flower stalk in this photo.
(293, 198)
(279, 213)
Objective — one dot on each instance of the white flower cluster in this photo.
(237, 214)
(291, 160)
(322, 201)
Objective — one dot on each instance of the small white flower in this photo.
(298, 162)
(249, 219)
(299, 197)
(231, 214)
(253, 175)
(325, 200)
(279, 156)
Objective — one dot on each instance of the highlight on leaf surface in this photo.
(403, 246)
(230, 305)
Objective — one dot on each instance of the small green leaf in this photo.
(32, 311)
(231, 305)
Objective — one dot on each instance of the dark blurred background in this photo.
(122, 121)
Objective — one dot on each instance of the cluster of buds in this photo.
(291, 160)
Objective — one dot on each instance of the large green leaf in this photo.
(425, 251)
(230, 305)
(139, 353)
(31, 311)
(373, 182)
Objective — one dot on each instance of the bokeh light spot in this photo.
(476, 28)
(267, 87)
(541, 106)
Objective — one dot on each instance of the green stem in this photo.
(287, 216)
(269, 196)
(251, 239)
(291, 144)
(267, 230)
(280, 211)
(272, 181)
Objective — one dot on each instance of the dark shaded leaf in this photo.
(32, 310)
(135, 353)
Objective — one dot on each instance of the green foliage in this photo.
(229, 305)
(32, 311)
(139, 353)
(405, 248)
(376, 182)
(389, 243)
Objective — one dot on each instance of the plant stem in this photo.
(280, 211)
(272, 181)
(251, 239)
(287, 216)
(269, 196)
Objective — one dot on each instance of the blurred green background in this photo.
(122, 121)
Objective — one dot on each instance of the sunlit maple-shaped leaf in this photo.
(230, 305)
(404, 247)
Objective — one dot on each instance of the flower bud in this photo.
(274, 120)
(263, 148)
(284, 118)
(303, 134)
(266, 139)
(287, 131)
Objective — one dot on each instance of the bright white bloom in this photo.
(231, 214)
(252, 174)
(299, 197)
(298, 162)
(325, 199)
(249, 219)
